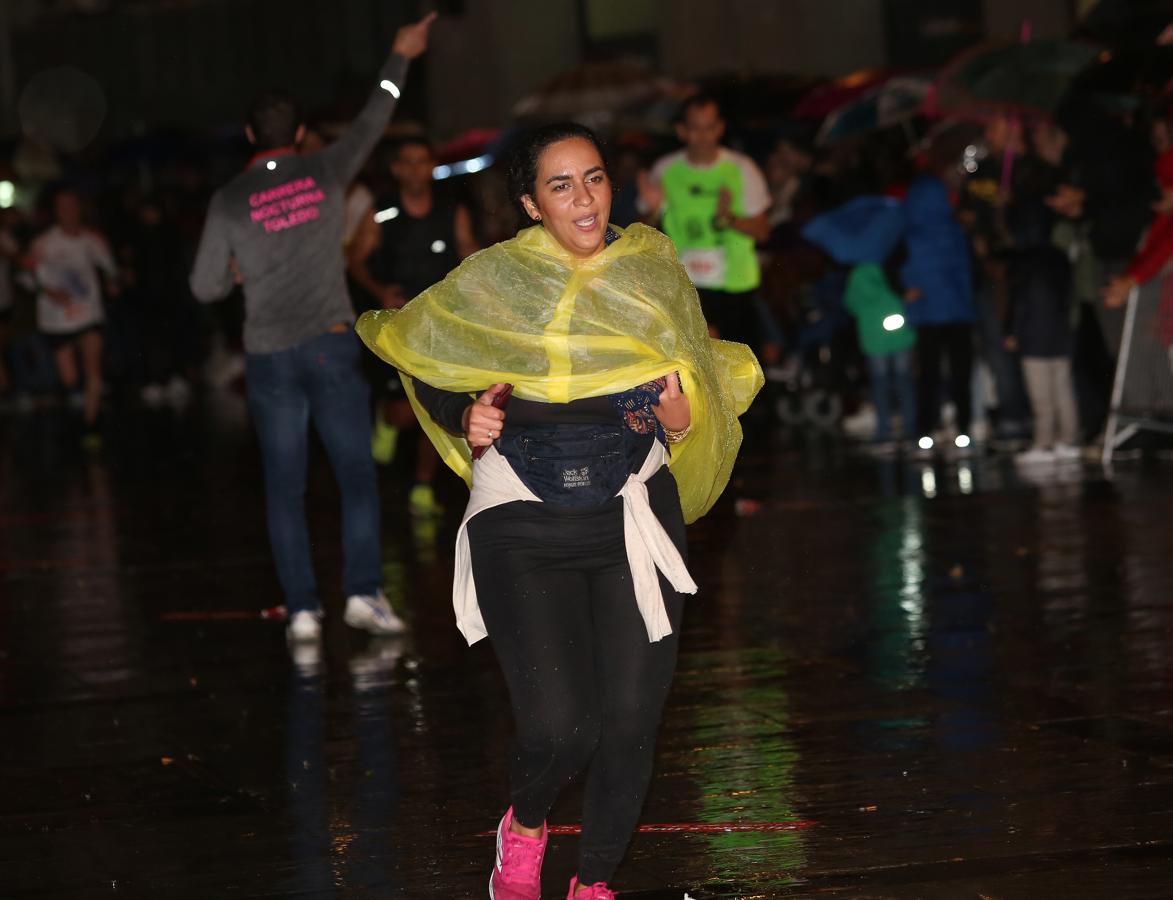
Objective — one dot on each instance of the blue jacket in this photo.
(938, 257)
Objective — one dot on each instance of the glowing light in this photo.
(476, 164)
(271, 165)
(463, 167)
(386, 215)
(962, 441)
(965, 479)
(439, 246)
(7, 194)
(928, 483)
(925, 443)
(390, 87)
(857, 78)
(893, 322)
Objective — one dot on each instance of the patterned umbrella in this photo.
(895, 102)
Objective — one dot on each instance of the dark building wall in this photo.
(199, 64)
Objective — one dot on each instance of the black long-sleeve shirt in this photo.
(447, 409)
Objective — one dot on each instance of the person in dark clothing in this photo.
(1041, 329)
(414, 237)
(938, 278)
(165, 321)
(278, 228)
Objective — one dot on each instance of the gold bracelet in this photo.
(675, 437)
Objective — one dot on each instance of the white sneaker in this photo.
(1067, 452)
(1035, 456)
(373, 614)
(305, 626)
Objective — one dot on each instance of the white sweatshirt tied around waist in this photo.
(649, 548)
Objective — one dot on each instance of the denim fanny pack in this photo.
(573, 465)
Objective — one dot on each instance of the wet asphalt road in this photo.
(901, 679)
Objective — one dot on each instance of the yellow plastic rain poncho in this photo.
(558, 328)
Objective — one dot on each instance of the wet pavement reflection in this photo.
(902, 678)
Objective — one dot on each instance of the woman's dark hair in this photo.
(522, 172)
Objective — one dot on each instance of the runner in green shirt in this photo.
(713, 204)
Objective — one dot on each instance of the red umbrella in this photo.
(474, 142)
(826, 98)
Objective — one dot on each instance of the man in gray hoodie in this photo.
(277, 228)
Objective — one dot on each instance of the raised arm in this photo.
(347, 155)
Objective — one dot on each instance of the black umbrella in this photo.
(1126, 23)
(1120, 80)
(1010, 79)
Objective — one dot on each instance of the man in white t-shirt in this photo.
(68, 261)
(713, 203)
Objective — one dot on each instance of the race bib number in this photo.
(705, 266)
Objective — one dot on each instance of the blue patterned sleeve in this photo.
(637, 407)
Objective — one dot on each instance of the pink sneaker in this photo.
(517, 873)
(597, 891)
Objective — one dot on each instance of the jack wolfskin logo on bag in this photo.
(576, 478)
(580, 465)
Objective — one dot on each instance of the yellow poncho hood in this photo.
(559, 328)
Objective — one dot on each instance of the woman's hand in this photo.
(674, 411)
(482, 420)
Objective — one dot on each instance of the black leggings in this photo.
(586, 685)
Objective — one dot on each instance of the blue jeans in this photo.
(889, 372)
(319, 381)
(1013, 408)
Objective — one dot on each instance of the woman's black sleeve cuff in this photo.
(445, 407)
